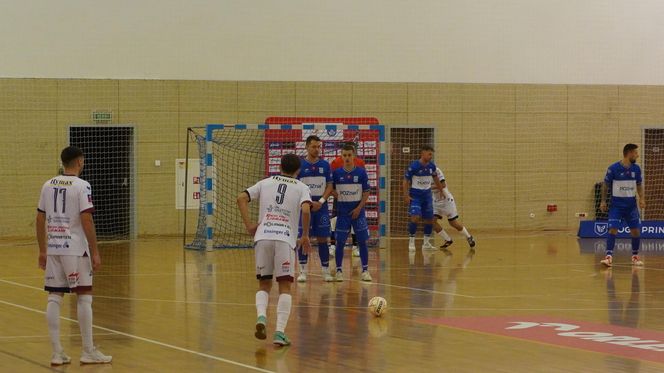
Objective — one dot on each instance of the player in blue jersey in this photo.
(351, 184)
(419, 177)
(315, 172)
(624, 179)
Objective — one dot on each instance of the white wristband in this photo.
(322, 200)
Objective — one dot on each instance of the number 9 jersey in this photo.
(280, 199)
(63, 199)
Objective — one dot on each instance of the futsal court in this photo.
(161, 309)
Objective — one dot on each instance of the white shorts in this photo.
(274, 259)
(68, 273)
(445, 208)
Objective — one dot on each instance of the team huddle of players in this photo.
(297, 200)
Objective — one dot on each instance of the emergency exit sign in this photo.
(102, 116)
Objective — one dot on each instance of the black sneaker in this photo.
(446, 244)
(471, 241)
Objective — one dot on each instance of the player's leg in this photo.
(634, 223)
(283, 257)
(264, 253)
(342, 230)
(454, 222)
(321, 229)
(614, 224)
(427, 218)
(353, 238)
(56, 285)
(333, 239)
(415, 215)
(438, 213)
(80, 281)
(361, 228)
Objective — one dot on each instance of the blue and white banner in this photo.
(599, 229)
(597, 246)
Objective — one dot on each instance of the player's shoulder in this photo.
(614, 166)
(414, 164)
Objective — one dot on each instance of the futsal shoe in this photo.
(356, 251)
(260, 327)
(366, 277)
(327, 277)
(302, 277)
(427, 246)
(636, 261)
(60, 358)
(446, 244)
(95, 357)
(607, 261)
(339, 276)
(280, 339)
(471, 241)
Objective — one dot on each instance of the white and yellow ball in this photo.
(378, 306)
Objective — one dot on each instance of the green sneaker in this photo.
(280, 339)
(260, 327)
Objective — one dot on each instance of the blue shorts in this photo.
(320, 223)
(360, 225)
(421, 206)
(628, 215)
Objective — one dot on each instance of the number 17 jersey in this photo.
(63, 199)
(280, 200)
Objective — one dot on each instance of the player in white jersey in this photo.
(280, 200)
(444, 206)
(68, 252)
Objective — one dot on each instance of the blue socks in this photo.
(428, 229)
(412, 228)
(636, 245)
(324, 253)
(364, 255)
(610, 244)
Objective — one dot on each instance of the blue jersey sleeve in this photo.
(328, 172)
(609, 176)
(409, 172)
(365, 180)
(639, 178)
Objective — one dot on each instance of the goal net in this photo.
(234, 157)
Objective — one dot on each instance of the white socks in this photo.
(283, 311)
(84, 310)
(53, 320)
(261, 303)
(444, 235)
(464, 231)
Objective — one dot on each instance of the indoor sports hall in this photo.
(180, 107)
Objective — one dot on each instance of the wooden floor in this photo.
(158, 308)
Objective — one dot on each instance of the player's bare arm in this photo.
(405, 188)
(243, 205)
(602, 204)
(89, 228)
(306, 219)
(40, 227)
(356, 211)
(642, 196)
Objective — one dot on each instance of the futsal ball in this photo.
(378, 306)
(532, 215)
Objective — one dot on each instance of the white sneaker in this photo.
(607, 261)
(327, 277)
(636, 261)
(428, 246)
(411, 244)
(339, 277)
(356, 251)
(366, 276)
(95, 357)
(302, 277)
(333, 250)
(60, 358)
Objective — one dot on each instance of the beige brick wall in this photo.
(507, 149)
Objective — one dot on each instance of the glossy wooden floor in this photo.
(159, 308)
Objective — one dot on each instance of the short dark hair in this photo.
(312, 138)
(69, 155)
(427, 148)
(628, 148)
(290, 163)
(348, 146)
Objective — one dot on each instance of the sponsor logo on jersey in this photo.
(355, 179)
(62, 182)
(348, 193)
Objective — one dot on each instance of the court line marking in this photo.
(148, 340)
(47, 336)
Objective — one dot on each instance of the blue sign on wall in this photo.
(600, 228)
